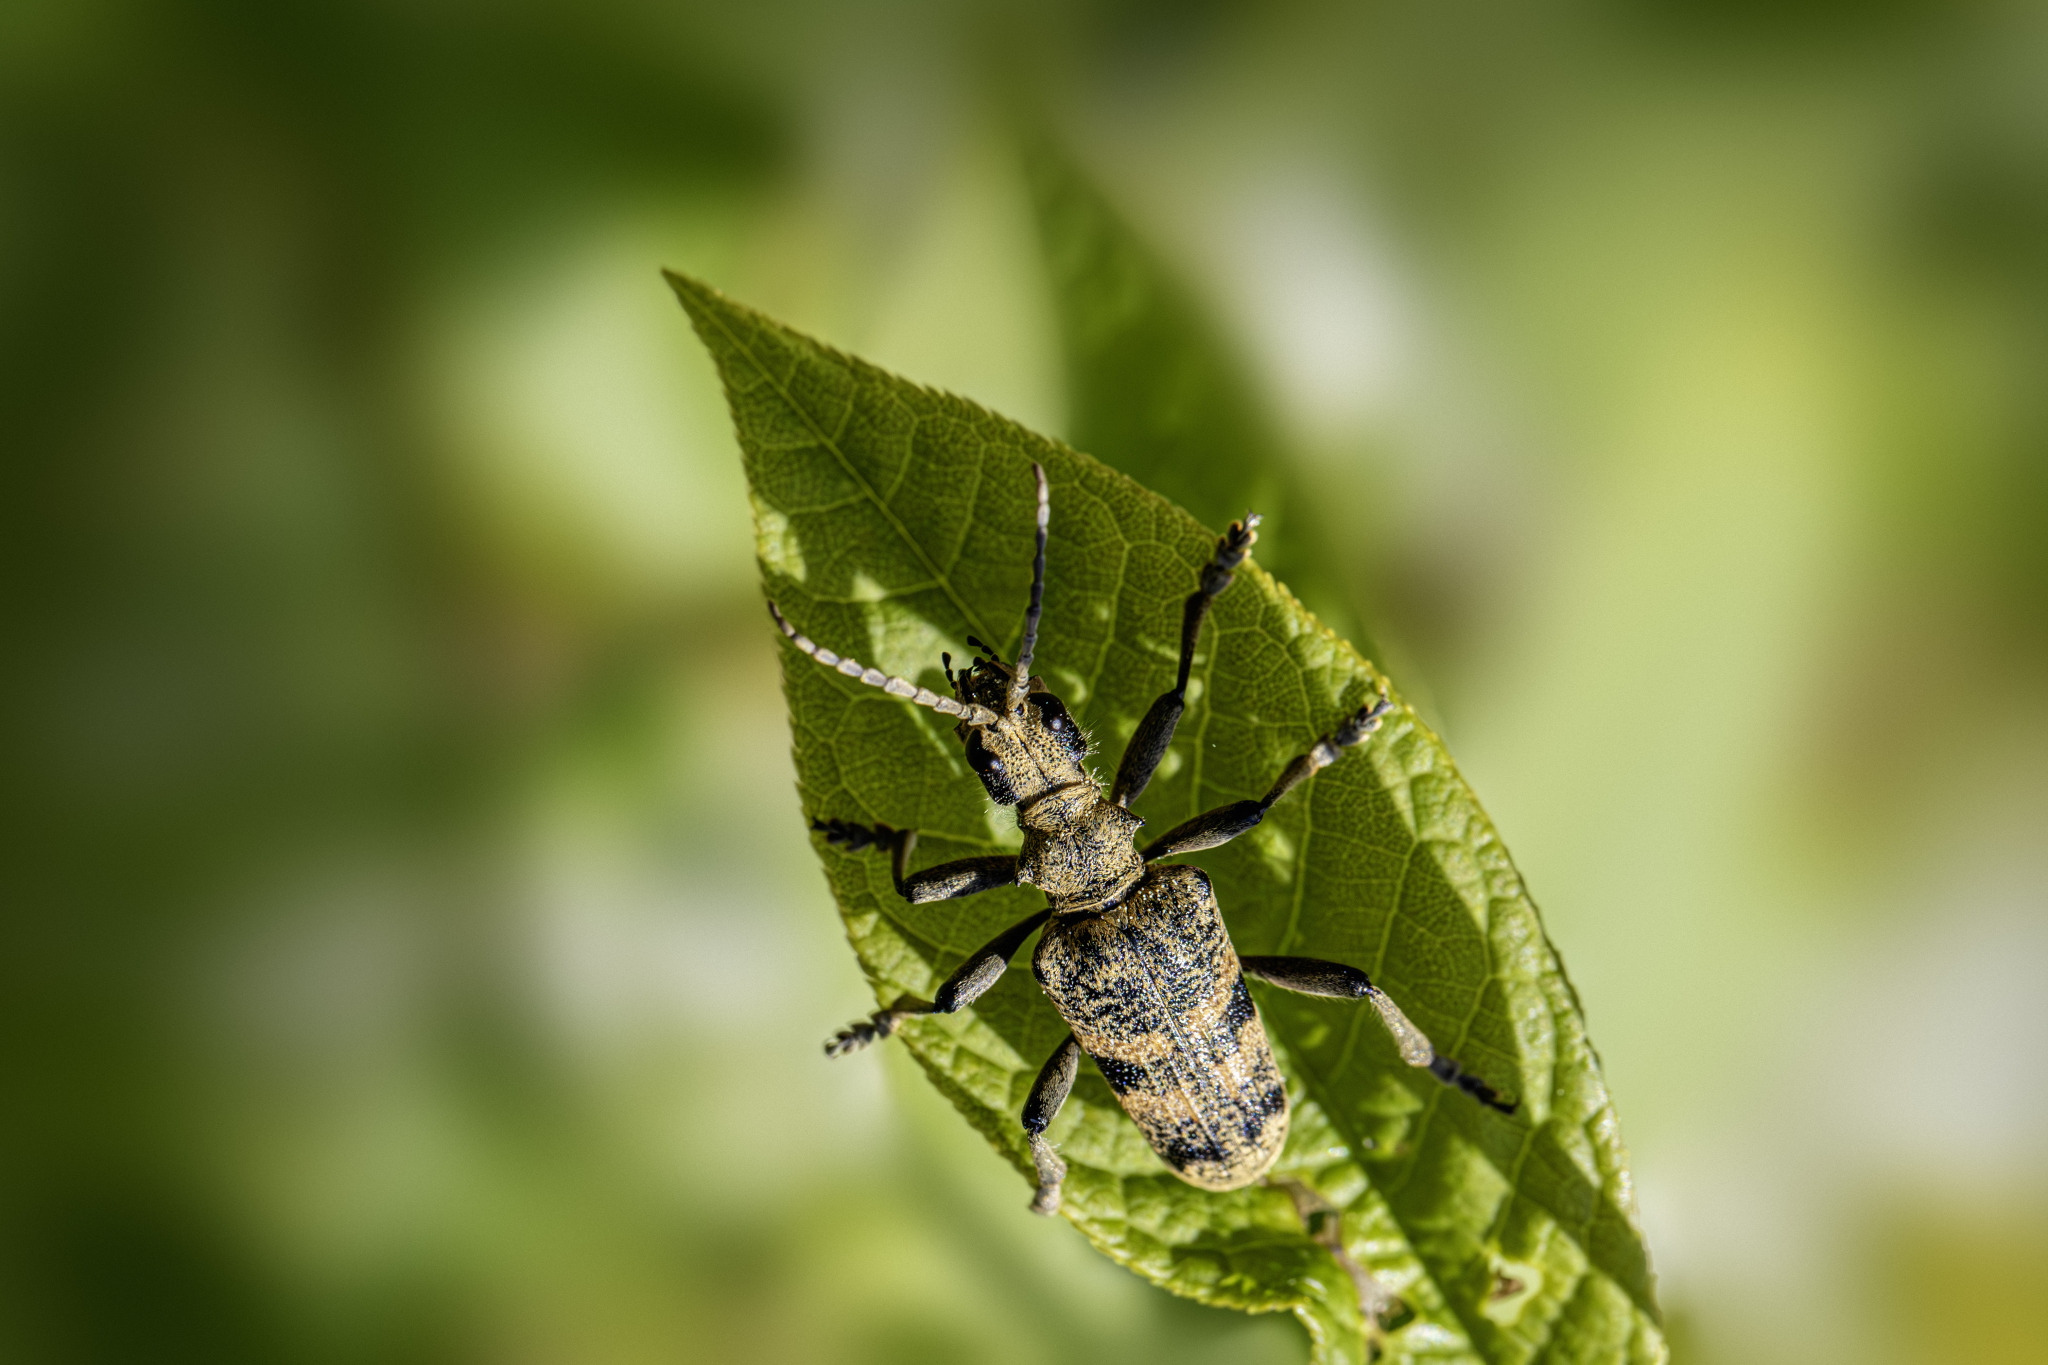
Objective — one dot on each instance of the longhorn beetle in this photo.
(1135, 956)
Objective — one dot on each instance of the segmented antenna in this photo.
(971, 712)
(1020, 681)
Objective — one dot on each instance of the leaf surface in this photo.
(892, 522)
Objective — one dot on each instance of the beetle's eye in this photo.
(1052, 713)
(990, 770)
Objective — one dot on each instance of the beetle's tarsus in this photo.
(877, 1026)
(857, 838)
(855, 1037)
(969, 980)
(1450, 1073)
(853, 837)
(1052, 1172)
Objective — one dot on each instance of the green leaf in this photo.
(892, 522)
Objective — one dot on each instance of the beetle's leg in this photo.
(967, 983)
(1155, 731)
(1221, 825)
(1310, 976)
(946, 881)
(1048, 1093)
(1450, 1073)
(1313, 976)
(1324, 1223)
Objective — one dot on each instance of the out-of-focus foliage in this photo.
(1153, 391)
(407, 952)
(892, 520)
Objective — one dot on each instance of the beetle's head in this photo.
(1025, 752)
(1020, 740)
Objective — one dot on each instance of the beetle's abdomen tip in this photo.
(1233, 1170)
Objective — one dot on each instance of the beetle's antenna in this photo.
(971, 712)
(1020, 681)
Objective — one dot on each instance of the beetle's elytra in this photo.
(1135, 955)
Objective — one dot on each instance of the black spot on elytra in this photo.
(1181, 1152)
(1120, 1075)
(1127, 991)
(1272, 1102)
(1241, 1010)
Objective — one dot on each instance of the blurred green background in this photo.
(412, 950)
